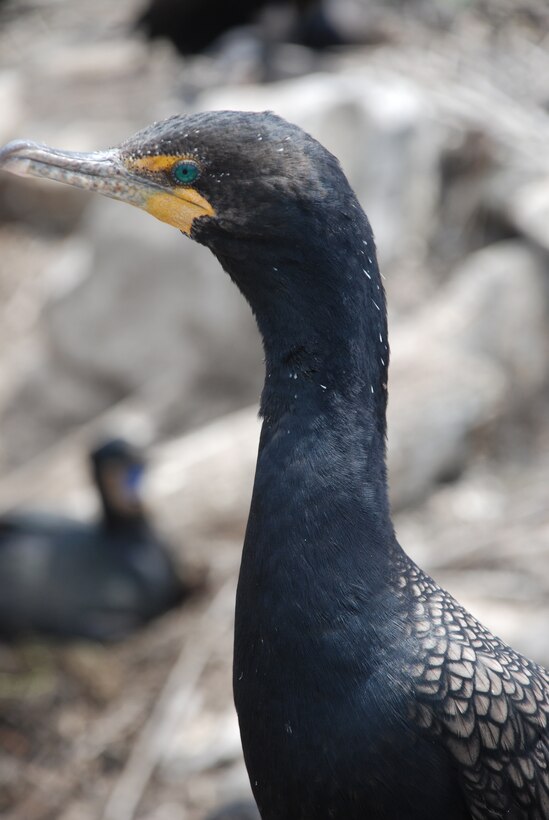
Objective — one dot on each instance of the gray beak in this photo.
(100, 171)
(106, 173)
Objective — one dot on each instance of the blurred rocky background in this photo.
(111, 322)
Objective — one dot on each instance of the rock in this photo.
(48, 402)
(236, 810)
(11, 105)
(132, 306)
(205, 742)
(95, 62)
(528, 210)
(497, 305)
(42, 204)
(168, 811)
(146, 295)
(479, 350)
(438, 398)
(11, 123)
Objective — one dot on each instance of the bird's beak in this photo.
(106, 173)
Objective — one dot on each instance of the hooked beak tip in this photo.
(92, 171)
(14, 152)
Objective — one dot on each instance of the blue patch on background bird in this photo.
(133, 477)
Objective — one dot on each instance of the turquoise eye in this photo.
(186, 172)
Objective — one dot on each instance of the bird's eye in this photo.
(186, 172)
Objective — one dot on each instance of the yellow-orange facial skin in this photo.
(145, 182)
(178, 207)
(155, 163)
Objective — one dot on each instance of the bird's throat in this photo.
(320, 308)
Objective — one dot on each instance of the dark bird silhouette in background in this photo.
(363, 689)
(100, 581)
(194, 25)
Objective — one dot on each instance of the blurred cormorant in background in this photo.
(194, 25)
(102, 580)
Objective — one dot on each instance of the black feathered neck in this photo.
(113, 521)
(319, 303)
(291, 234)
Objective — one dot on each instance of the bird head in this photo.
(215, 174)
(118, 469)
(271, 203)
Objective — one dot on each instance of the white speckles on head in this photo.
(366, 272)
(323, 386)
(275, 269)
(376, 304)
(288, 727)
(372, 389)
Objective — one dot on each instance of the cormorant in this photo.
(100, 581)
(363, 689)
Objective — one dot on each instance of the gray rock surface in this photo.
(477, 353)
(11, 104)
(496, 306)
(131, 306)
(437, 403)
(529, 210)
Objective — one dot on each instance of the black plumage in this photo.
(73, 579)
(363, 689)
